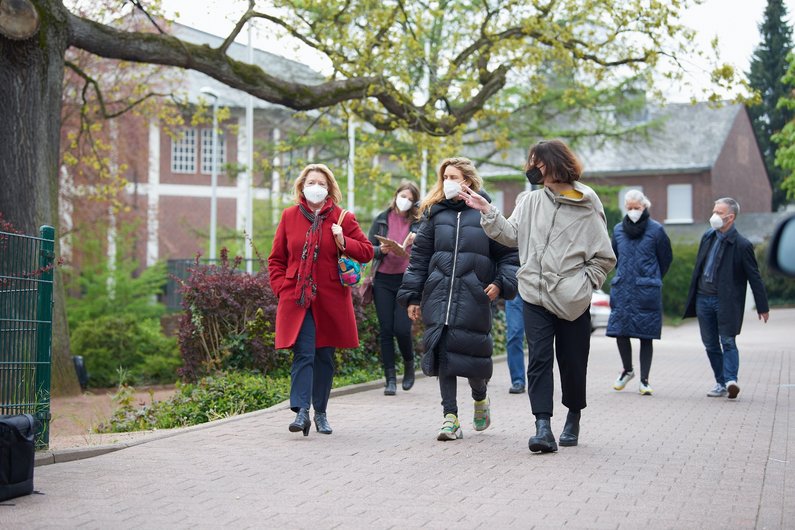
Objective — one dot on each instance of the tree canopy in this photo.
(768, 66)
(434, 68)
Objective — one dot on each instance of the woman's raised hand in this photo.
(473, 199)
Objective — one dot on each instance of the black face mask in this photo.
(534, 176)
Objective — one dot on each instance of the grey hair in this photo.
(638, 196)
(731, 203)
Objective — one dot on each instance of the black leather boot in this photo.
(568, 438)
(544, 440)
(301, 422)
(391, 382)
(408, 373)
(321, 423)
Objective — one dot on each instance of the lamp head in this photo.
(208, 92)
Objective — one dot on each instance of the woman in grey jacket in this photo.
(564, 254)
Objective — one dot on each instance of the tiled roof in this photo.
(688, 138)
(682, 138)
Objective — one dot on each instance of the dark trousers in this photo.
(393, 320)
(312, 370)
(646, 351)
(572, 344)
(448, 383)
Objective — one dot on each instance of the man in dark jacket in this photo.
(724, 266)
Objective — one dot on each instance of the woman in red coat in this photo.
(315, 311)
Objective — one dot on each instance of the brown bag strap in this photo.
(343, 213)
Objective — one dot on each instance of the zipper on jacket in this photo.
(452, 276)
(543, 252)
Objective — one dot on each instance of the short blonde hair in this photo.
(465, 166)
(333, 188)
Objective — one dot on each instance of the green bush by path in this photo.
(210, 398)
(123, 341)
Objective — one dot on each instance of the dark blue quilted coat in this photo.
(636, 288)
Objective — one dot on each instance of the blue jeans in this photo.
(514, 320)
(721, 349)
(312, 370)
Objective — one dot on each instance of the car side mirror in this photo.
(781, 254)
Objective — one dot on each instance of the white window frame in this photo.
(680, 204)
(183, 151)
(207, 151)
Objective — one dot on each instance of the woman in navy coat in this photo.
(644, 256)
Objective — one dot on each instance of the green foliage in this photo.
(211, 398)
(785, 154)
(768, 66)
(677, 281)
(114, 342)
(99, 289)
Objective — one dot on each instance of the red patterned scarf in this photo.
(306, 286)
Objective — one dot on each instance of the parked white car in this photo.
(600, 309)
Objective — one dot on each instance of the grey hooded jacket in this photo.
(564, 249)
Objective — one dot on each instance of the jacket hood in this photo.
(585, 201)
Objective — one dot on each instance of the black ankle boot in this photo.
(568, 438)
(321, 423)
(544, 440)
(408, 374)
(301, 422)
(391, 382)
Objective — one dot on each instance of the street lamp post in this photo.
(214, 173)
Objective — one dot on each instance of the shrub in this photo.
(210, 398)
(677, 281)
(123, 341)
(228, 320)
(780, 289)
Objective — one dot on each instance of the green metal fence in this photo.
(26, 272)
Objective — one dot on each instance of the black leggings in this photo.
(393, 320)
(448, 383)
(625, 350)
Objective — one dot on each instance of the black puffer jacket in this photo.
(452, 262)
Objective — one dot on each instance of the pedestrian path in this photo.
(673, 460)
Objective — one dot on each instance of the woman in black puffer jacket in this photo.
(454, 274)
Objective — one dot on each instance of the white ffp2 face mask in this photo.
(716, 221)
(451, 189)
(634, 215)
(403, 204)
(315, 193)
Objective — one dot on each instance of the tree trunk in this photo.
(31, 84)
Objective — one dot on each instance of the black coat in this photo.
(452, 262)
(736, 269)
(380, 228)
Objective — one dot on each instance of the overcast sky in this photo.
(734, 22)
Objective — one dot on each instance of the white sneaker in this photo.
(623, 379)
(717, 391)
(645, 389)
(733, 389)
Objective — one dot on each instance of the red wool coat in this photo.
(332, 309)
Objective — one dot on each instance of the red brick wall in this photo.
(740, 170)
(185, 225)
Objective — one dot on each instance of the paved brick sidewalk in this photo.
(674, 460)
